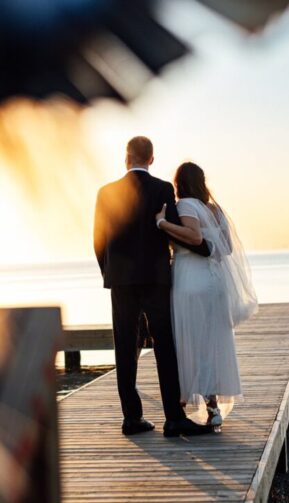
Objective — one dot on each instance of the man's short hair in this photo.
(140, 149)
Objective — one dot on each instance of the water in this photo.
(77, 288)
(270, 271)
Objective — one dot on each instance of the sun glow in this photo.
(227, 110)
(48, 172)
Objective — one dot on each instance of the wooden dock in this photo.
(100, 465)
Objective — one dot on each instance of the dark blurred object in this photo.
(250, 14)
(81, 48)
(89, 48)
(28, 410)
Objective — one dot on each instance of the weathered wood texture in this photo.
(89, 337)
(98, 464)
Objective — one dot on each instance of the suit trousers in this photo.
(127, 304)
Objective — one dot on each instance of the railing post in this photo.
(72, 361)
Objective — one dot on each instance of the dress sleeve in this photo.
(187, 209)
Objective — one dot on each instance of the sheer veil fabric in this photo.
(210, 296)
(228, 253)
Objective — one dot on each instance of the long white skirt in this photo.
(203, 332)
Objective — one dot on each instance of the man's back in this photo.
(130, 248)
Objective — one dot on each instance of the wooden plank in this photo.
(99, 464)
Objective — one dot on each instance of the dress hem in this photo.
(197, 398)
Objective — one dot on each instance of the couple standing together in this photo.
(191, 301)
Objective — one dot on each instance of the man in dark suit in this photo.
(134, 258)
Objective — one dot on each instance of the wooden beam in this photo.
(94, 337)
(86, 338)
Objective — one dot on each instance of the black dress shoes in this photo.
(185, 427)
(134, 426)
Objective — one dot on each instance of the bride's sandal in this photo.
(214, 416)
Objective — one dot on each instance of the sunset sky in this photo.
(226, 107)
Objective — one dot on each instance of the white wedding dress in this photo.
(209, 297)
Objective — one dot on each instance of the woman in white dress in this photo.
(209, 297)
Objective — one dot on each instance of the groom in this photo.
(134, 258)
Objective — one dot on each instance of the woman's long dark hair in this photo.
(190, 181)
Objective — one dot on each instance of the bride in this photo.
(210, 296)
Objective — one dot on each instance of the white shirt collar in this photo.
(138, 169)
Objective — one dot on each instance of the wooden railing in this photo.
(94, 337)
(87, 337)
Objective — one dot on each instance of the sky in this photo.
(225, 106)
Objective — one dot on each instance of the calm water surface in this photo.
(77, 288)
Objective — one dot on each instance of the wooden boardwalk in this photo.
(99, 464)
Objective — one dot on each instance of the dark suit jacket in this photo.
(129, 247)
